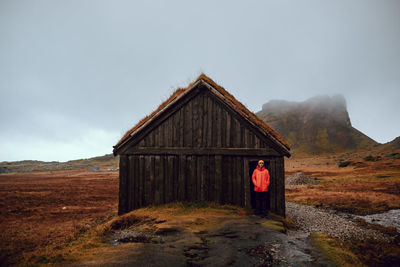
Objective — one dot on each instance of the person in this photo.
(261, 181)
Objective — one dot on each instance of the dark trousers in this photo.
(261, 203)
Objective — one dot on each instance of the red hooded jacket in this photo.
(260, 179)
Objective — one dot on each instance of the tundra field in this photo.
(45, 216)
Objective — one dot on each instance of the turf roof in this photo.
(181, 91)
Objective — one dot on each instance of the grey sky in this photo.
(75, 75)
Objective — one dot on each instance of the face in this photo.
(260, 164)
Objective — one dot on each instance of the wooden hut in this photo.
(201, 144)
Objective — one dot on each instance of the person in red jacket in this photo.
(260, 179)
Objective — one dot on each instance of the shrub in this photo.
(372, 158)
(343, 164)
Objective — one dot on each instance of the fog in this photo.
(75, 75)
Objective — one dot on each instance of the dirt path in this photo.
(231, 241)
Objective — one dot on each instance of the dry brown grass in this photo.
(365, 188)
(42, 212)
(373, 188)
(45, 215)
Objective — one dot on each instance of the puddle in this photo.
(130, 236)
(390, 218)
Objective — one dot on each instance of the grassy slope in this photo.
(106, 162)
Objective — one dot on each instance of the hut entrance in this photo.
(252, 166)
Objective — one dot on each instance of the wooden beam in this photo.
(201, 151)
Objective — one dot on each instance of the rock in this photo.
(95, 168)
(4, 169)
(310, 219)
(300, 178)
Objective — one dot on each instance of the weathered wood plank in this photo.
(209, 129)
(235, 186)
(141, 181)
(175, 129)
(272, 186)
(245, 138)
(242, 136)
(181, 180)
(167, 132)
(194, 178)
(157, 180)
(228, 130)
(203, 171)
(190, 175)
(235, 133)
(257, 143)
(152, 136)
(181, 127)
(147, 184)
(188, 127)
(204, 121)
(175, 178)
(223, 128)
(214, 124)
(218, 122)
(141, 143)
(281, 186)
(137, 186)
(246, 187)
(239, 181)
(161, 134)
(218, 179)
(201, 119)
(123, 184)
(195, 122)
(166, 178)
(227, 179)
(211, 178)
(169, 180)
(157, 138)
(253, 140)
(205, 179)
(276, 185)
(152, 180)
(198, 178)
(132, 178)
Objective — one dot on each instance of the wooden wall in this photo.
(158, 179)
(198, 151)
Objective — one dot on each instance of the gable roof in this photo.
(222, 94)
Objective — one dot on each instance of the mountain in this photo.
(318, 125)
(107, 162)
(391, 146)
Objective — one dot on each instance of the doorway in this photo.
(252, 165)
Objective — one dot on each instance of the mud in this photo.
(239, 241)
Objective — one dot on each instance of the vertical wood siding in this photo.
(202, 122)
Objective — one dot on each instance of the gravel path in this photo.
(312, 219)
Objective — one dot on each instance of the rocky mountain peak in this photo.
(316, 125)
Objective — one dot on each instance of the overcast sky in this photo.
(75, 75)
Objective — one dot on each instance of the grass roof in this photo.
(180, 91)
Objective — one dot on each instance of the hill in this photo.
(101, 163)
(391, 146)
(316, 126)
